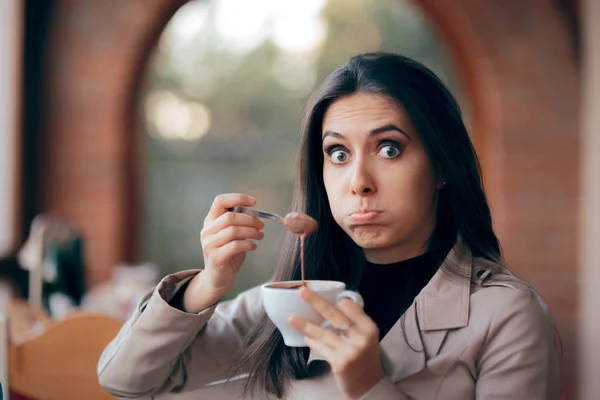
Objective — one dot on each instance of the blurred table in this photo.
(25, 323)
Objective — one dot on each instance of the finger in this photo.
(231, 249)
(225, 201)
(318, 333)
(357, 316)
(331, 313)
(332, 356)
(233, 233)
(231, 219)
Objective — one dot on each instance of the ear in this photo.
(440, 177)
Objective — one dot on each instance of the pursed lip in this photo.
(365, 216)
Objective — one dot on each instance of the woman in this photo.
(388, 170)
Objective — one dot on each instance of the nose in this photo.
(362, 182)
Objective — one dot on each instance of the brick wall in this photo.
(515, 58)
(518, 62)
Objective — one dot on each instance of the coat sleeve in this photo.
(384, 390)
(161, 348)
(518, 359)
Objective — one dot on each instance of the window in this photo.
(224, 96)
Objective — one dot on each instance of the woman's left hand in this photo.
(353, 353)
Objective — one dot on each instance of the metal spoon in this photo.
(257, 213)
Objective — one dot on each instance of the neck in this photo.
(394, 254)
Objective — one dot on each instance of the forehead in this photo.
(363, 112)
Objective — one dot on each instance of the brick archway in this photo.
(95, 58)
(514, 58)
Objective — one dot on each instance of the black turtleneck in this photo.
(389, 290)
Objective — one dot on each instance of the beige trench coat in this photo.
(486, 338)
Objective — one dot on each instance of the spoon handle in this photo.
(256, 213)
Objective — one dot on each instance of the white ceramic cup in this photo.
(281, 303)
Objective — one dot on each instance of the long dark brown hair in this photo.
(330, 253)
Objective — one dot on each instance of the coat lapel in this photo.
(444, 301)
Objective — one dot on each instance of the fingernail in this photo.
(252, 199)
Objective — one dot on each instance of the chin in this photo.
(369, 238)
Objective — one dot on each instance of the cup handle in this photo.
(349, 294)
(346, 294)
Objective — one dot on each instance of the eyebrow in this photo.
(374, 132)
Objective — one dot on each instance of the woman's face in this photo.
(381, 188)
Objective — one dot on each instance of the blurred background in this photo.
(120, 121)
(221, 103)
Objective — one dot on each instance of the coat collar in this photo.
(443, 304)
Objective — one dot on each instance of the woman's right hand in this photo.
(225, 241)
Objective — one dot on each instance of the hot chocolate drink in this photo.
(322, 285)
(286, 285)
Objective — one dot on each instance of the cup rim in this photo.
(267, 286)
